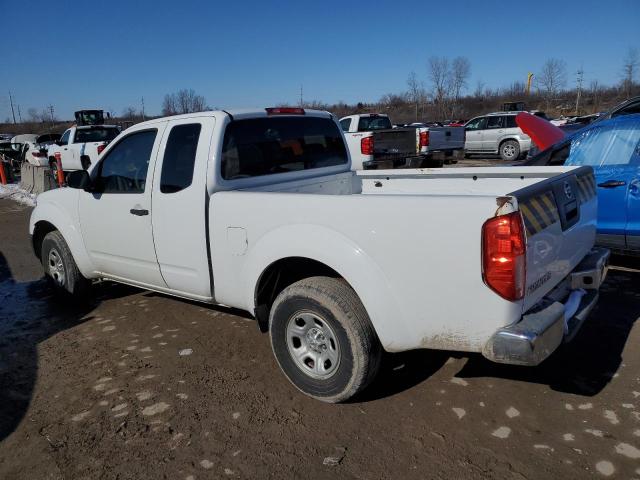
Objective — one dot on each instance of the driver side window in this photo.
(477, 124)
(124, 169)
(64, 140)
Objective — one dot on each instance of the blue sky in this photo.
(108, 54)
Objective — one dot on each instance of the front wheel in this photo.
(323, 339)
(60, 266)
(510, 150)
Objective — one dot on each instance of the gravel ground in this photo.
(134, 385)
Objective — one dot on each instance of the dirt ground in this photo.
(135, 385)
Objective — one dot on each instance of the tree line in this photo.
(443, 93)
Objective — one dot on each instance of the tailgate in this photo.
(446, 138)
(559, 216)
(398, 141)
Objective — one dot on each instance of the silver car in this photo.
(496, 133)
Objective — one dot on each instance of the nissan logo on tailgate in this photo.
(567, 190)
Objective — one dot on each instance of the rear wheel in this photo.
(59, 265)
(509, 150)
(323, 339)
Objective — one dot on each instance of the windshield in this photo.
(367, 124)
(100, 134)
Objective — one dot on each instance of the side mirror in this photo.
(79, 179)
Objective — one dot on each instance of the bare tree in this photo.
(439, 75)
(169, 104)
(596, 91)
(416, 91)
(460, 72)
(392, 100)
(183, 101)
(129, 113)
(479, 91)
(34, 116)
(552, 79)
(47, 115)
(629, 70)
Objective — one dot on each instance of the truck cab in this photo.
(80, 146)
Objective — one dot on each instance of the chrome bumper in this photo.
(538, 334)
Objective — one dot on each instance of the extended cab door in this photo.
(116, 217)
(179, 206)
(65, 149)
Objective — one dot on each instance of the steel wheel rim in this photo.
(313, 345)
(56, 267)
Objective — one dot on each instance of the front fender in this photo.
(338, 252)
(59, 209)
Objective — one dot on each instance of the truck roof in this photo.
(89, 127)
(239, 113)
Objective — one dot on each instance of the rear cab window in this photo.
(265, 146)
(95, 134)
(374, 122)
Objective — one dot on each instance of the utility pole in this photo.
(12, 111)
(301, 102)
(142, 101)
(579, 78)
(51, 111)
(19, 114)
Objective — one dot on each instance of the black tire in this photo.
(64, 275)
(335, 303)
(509, 150)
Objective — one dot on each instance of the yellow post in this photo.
(529, 78)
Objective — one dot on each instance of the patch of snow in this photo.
(14, 192)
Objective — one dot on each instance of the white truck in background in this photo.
(79, 146)
(373, 143)
(337, 265)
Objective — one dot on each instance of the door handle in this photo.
(140, 212)
(612, 184)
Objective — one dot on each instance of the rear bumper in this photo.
(556, 319)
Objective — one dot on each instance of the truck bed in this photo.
(394, 219)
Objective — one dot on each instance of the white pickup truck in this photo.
(374, 144)
(80, 146)
(259, 210)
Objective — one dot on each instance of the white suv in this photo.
(496, 133)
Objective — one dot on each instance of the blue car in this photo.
(612, 148)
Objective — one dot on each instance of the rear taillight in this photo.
(424, 139)
(101, 148)
(366, 146)
(504, 255)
